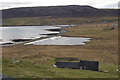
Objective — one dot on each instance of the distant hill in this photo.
(58, 11)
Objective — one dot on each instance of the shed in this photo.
(85, 65)
(89, 65)
(73, 65)
(112, 28)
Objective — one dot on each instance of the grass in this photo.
(37, 60)
(26, 69)
(56, 21)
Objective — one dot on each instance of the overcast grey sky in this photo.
(4, 4)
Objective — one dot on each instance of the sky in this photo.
(5, 4)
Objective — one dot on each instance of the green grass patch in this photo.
(26, 69)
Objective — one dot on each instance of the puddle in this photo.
(61, 41)
(65, 25)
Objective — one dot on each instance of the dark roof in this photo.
(74, 65)
(87, 65)
(5, 77)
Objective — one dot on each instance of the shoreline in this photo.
(49, 35)
(103, 48)
(61, 30)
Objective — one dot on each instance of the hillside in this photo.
(58, 11)
(36, 60)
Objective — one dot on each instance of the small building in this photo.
(112, 28)
(104, 22)
(85, 65)
(73, 65)
(90, 21)
(90, 65)
(115, 24)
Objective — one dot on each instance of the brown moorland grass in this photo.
(103, 47)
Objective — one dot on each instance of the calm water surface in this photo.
(24, 32)
(61, 41)
(31, 32)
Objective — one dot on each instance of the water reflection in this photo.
(24, 32)
(61, 41)
(32, 32)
